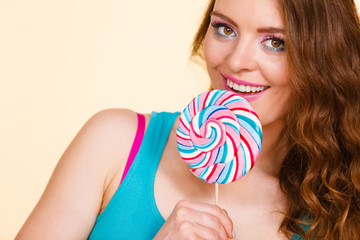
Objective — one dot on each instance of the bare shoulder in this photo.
(114, 115)
(106, 131)
(75, 192)
(108, 122)
(109, 134)
(116, 126)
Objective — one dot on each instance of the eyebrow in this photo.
(260, 30)
(271, 30)
(224, 17)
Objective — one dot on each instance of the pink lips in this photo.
(248, 96)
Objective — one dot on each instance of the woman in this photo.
(297, 63)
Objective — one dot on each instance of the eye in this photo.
(223, 30)
(226, 30)
(274, 44)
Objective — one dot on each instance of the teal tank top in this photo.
(132, 212)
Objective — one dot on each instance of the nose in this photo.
(242, 57)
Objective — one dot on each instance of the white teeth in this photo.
(243, 88)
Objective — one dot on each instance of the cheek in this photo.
(274, 105)
(215, 59)
(282, 93)
(208, 55)
(276, 72)
(214, 53)
(210, 60)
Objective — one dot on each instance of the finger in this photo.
(212, 224)
(204, 232)
(191, 230)
(220, 213)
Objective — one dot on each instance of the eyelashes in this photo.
(269, 42)
(273, 43)
(223, 29)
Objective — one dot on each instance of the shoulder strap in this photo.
(136, 144)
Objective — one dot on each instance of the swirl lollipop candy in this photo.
(219, 136)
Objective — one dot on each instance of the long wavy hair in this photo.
(320, 174)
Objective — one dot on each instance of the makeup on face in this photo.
(245, 52)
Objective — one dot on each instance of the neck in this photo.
(272, 150)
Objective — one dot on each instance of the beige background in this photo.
(62, 61)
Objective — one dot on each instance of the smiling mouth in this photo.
(245, 89)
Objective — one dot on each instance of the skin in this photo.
(246, 53)
(82, 185)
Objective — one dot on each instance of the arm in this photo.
(72, 199)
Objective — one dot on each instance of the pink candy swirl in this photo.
(219, 136)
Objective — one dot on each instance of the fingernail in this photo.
(233, 234)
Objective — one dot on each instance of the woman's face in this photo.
(244, 50)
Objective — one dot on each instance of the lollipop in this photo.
(219, 136)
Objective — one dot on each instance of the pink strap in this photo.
(136, 144)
